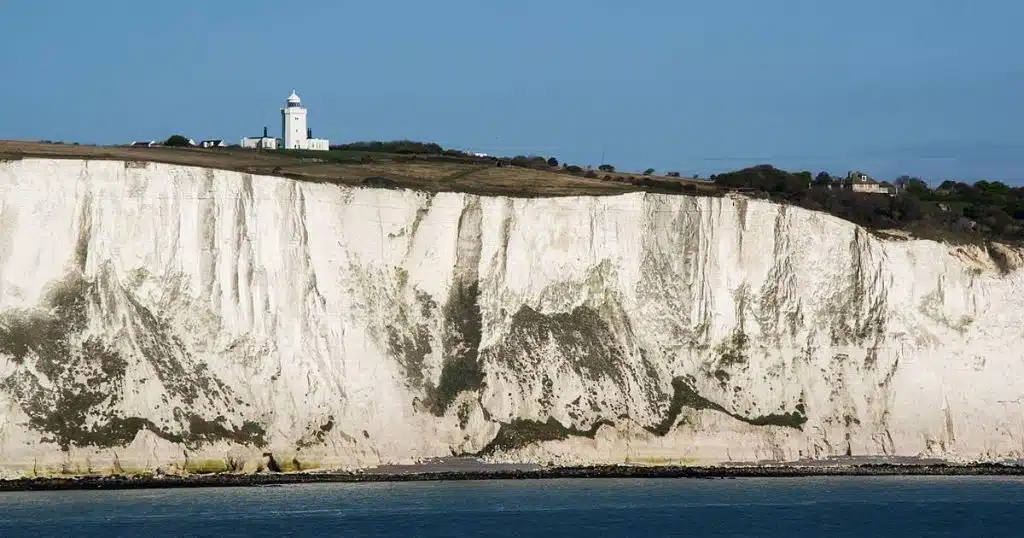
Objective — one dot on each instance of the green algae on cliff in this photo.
(462, 319)
(684, 396)
(70, 385)
(409, 341)
(318, 436)
(581, 336)
(521, 432)
(462, 370)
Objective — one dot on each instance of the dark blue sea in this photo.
(861, 507)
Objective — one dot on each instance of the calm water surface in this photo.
(861, 507)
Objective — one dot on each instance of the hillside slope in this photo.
(162, 316)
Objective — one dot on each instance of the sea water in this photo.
(861, 507)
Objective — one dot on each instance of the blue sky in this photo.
(933, 88)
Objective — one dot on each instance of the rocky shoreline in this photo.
(611, 471)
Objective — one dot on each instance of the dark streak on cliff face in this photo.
(462, 321)
(684, 396)
(520, 433)
(81, 254)
(408, 336)
(592, 350)
(856, 315)
(71, 385)
(462, 370)
(86, 377)
(598, 347)
(171, 361)
(581, 336)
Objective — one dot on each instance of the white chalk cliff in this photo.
(167, 317)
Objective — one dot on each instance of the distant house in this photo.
(212, 144)
(261, 142)
(143, 144)
(862, 183)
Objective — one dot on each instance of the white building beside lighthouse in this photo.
(260, 142)
(295, 131)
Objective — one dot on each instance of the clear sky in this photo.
(926, 87)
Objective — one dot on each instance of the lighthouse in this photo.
(293, 118)
(295, 132)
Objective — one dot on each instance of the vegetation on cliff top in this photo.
(953, 211)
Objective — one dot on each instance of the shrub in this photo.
(764, 177)
(394, 146)
(590, 174)
(177, 141)
(521, 161)
(672, 174)
(535, 162)
(823, 179)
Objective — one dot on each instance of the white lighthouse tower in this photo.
(293, 123)
(294, 130)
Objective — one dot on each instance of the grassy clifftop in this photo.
(435, 173)
(954, 212)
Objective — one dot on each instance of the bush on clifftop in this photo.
(177, 141)
(955, 210)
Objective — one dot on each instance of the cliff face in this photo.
(156, 316)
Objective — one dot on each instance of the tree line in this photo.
(953, 210)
